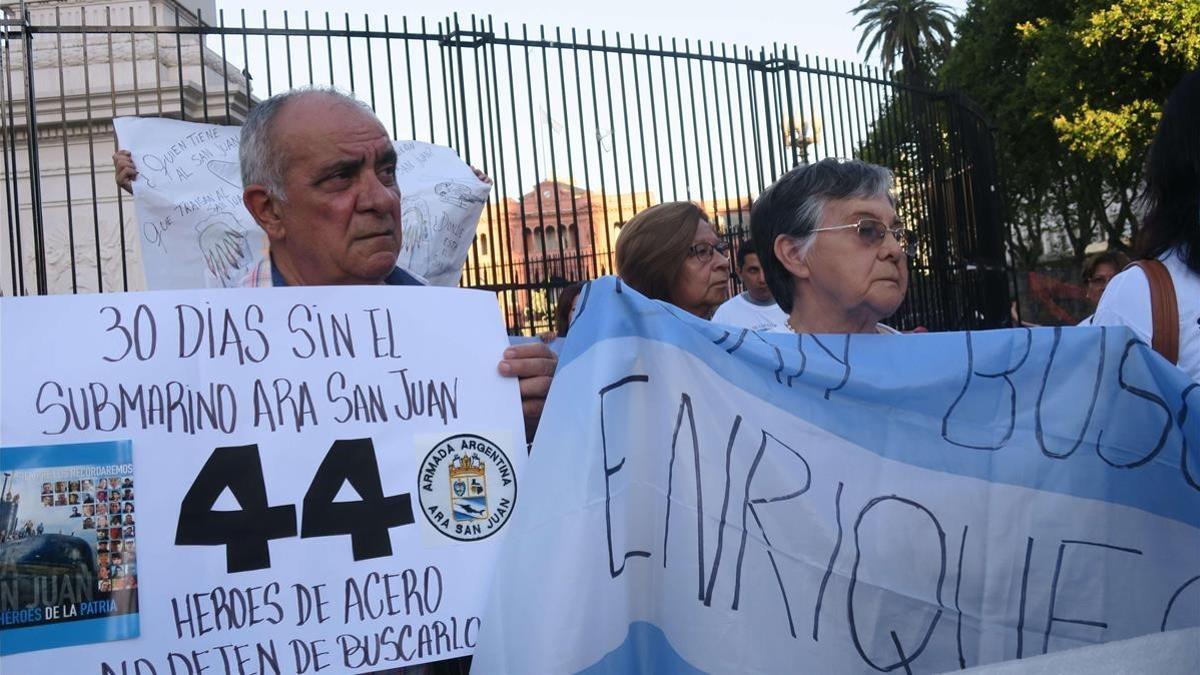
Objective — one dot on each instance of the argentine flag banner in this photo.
(706, 499)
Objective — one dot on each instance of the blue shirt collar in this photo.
(398, 277)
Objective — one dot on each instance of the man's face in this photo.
(340, 216)
(753, 279)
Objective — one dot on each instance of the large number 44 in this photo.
(245, 533)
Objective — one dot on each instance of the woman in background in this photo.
(671, 252)
(565, 311)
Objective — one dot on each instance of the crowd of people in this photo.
(829, 253)
(854, 276)
(319, 176)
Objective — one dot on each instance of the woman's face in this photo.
(1096, 284)
(702, 285)
(860, 278)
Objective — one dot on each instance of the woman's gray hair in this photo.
(794, 204)
(262, 162)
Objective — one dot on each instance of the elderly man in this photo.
(834, 251)
(754, 308)
(319, 172)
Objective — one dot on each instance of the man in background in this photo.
(753, 308)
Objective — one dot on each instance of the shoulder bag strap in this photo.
(1164, 311)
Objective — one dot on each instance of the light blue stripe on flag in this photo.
(1085, 411)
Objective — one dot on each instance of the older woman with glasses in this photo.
(671, 252)
(832, 248)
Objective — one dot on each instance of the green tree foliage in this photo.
(1075, 89)
(915, 31)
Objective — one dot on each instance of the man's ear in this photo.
(265, 209)
(790, 253)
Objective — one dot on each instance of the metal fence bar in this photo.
(62, 113)
(609, 223)
(87, 86)
(112, 89)
(11, 187)
(35, 173)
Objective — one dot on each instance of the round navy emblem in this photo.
(467, 487)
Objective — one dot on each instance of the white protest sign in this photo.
(737, 502)
(195, 232)
(322, 474)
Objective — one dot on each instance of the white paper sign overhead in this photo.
(196, 233)
(318, 482)
(441, 201)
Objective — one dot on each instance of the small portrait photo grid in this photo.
(110, 500)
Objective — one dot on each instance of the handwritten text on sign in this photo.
(742, 502)
(319, 480)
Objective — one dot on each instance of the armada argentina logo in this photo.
(467, 487)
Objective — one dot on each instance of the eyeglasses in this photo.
(872, 232)
(703, 251)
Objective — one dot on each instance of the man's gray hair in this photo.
(262, 161)
(794, 204)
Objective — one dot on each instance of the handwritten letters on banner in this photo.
(319, 482)
(320, 486)
(739, 502)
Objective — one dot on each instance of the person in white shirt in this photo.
(755, 308)
(1170, 231)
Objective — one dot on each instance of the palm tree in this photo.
(908, 29)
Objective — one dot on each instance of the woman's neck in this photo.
(703, 311)
(809, 315)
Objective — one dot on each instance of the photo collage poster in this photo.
(68, 545)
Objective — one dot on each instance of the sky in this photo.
(818, 27)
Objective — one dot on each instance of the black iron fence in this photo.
(579, 130)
